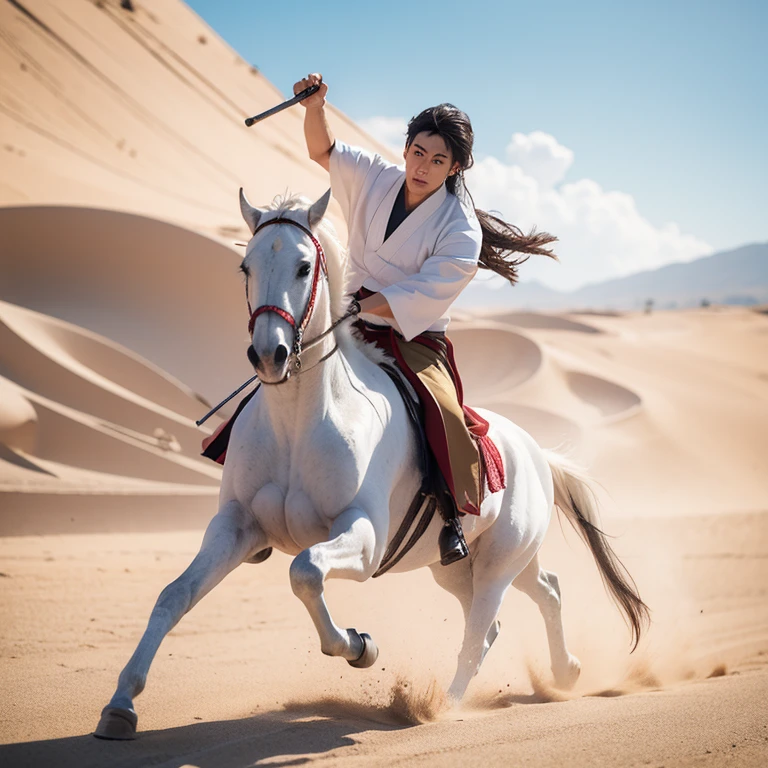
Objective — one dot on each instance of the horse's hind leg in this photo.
(458, 581)
(481, 620)
(348, 554)
(493, 570)
(231, 536)
(543, 588)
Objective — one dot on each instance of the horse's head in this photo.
(286, 281)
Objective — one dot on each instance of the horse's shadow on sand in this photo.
(292, 734)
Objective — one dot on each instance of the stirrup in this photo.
(453, 547)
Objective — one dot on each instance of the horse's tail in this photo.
(576, 499)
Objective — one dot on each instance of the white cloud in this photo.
(390, 131)
(539, 156)
(601, 233)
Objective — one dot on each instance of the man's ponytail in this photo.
(502, 239)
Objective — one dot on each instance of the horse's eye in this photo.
(304, 269)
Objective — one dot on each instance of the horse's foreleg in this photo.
(231, 536)
(348, 554)
(543, 588)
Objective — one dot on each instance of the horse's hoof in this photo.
(117, 724)
(369, 653)
(566, 678)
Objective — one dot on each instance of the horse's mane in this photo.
(335, 253)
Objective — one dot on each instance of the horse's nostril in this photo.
(252, 356)
(281, 354)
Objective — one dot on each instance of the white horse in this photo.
(323, 466)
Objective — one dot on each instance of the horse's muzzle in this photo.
(270, 368)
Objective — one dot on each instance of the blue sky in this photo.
(665, 103)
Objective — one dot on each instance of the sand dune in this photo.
(541, 320)
(515, 359)
(530, 380)
(18, 420)
(89, 425)
(96, 268)
(68, 430)
(82, 417)
(610, 399)
(122, 315)
(551, 430)
(61, 362)
(81, 127)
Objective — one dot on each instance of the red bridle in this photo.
(319, 263)
(352, 311)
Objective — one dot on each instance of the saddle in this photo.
(434, 493)
(431, 495)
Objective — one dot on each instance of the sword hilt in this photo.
(249, 121)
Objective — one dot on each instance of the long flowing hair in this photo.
(500, 238)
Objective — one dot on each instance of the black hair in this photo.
(500, 238)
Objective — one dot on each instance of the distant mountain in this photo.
(739, 276)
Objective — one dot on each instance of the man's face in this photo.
(428, 163)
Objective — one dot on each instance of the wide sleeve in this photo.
(350, 168)
(419, 300)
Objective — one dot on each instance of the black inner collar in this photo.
(399, 213)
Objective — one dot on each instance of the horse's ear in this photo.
(250, 214)
(317, 210)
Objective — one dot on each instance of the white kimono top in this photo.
(425, 263)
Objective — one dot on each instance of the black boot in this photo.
(451, 541)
